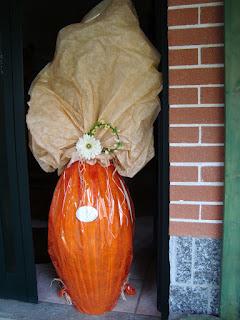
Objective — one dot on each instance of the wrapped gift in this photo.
(91, 117)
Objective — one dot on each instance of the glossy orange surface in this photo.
(92, 258)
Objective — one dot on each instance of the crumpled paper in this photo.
(104, 68)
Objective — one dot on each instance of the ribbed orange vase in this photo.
(91, 257)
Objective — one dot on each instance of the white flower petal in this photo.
(86, 152)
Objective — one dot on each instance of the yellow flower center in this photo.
(88, 146)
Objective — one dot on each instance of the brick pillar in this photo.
(196, 97)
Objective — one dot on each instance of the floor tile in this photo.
(148, 300)
(143, 233)
(140, 264)
(46, 292)
(15, 310)
(142, 248)
(130, 304)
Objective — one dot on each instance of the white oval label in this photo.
(86, 214)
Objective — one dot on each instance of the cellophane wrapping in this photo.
(92, 258)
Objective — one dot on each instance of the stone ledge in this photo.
(195, 275)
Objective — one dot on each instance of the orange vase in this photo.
(90, 235)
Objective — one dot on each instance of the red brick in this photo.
(183, 57)
(183, 95)
(211, 230)
(179, 2)
(213, 134)
(213, 14)
(212, 174)
(197, 115)
(210, 35)
(212, 55)
(196, 76)
(184, 211)
(212, 95)
(196, 154)
(181, 174)
(212, 212)
(186, 134)
(196, 193)
(182, 16)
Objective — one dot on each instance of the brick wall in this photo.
(196, 97)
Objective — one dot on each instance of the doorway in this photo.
(17, 269)
(38, 47)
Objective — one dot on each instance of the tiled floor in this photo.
(141, 276)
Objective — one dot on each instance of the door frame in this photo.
(19, 281)
(162, 149)
(162, 155)
(230, 281)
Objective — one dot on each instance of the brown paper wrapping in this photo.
(104, 68)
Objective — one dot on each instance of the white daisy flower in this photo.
(88, 147)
